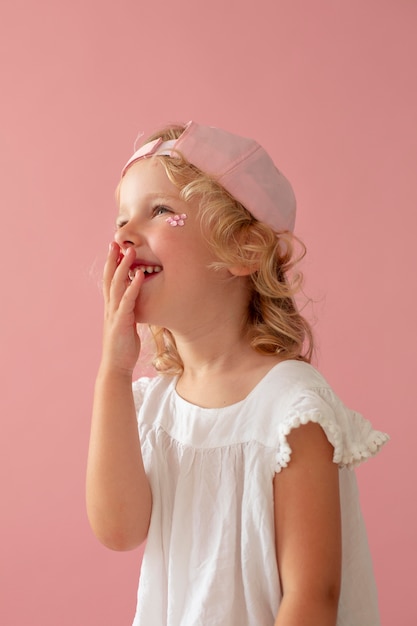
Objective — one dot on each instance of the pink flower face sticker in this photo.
(176, 220)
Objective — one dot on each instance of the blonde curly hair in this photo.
(274, 323)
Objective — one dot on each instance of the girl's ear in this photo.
(251, 258)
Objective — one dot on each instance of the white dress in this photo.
(210, 555)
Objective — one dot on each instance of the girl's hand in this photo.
(121, 343)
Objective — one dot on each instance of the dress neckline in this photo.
(186, 403)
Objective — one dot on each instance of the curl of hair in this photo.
(274, 323)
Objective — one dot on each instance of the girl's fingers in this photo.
(127, 302)
(116, 272)
(113, 260)
(132, 292)
(120, 291)
(120, 338)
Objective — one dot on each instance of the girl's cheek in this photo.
(176, 220)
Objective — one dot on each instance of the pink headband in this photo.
(238, 164)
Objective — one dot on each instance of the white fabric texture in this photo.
(210, 555)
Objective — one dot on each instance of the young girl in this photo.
(235, 461)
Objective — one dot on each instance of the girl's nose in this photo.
(126, 237)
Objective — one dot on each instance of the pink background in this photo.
(329, 88)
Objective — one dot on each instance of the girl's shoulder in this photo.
(304, 395)
(288, 383)
(291, 375)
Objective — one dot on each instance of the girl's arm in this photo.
(308, 531)
(118, 493)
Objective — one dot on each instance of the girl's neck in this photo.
(223, 373)
(213, 350)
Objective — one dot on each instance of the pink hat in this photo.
(238, 164)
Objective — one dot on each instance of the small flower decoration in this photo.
(176, 220)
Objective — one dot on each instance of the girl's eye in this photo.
(160, 210)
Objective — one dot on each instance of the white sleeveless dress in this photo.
(210, 554)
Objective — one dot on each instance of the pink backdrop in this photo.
(329, 87)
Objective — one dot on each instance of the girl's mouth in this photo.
(148, 270)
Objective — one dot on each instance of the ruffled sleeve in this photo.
(353, 438)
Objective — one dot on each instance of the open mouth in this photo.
(148, 270)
